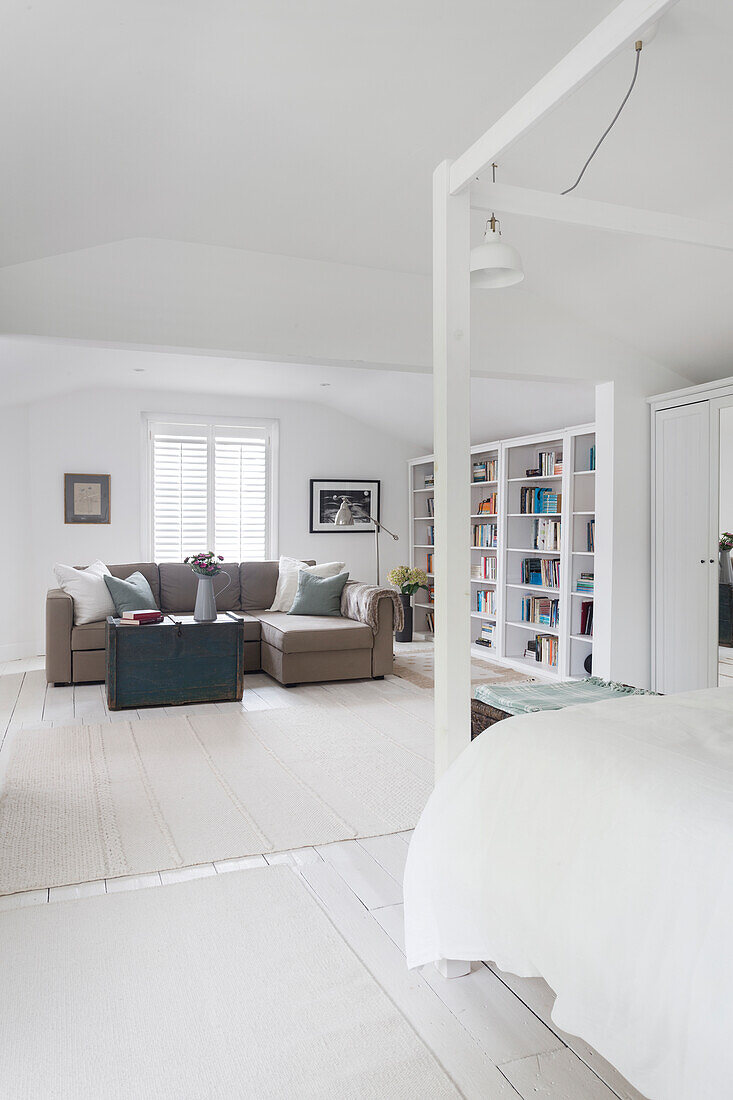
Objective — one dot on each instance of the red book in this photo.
(143, 616)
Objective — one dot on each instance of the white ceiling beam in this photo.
(622, 27)
(573, 210)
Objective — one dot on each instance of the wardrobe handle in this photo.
(702, 561)
(712, 561)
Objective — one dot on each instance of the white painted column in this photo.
(452, 441)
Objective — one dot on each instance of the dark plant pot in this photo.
(405, 635)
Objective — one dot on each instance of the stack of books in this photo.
(549, 464)
(480, 472)
(429, 481)
(533, 500)
(591, 536)
(542, 571)
(541, 610)
(546, 534)
(544, 648)
(584, 582)
(486, 636)
(144, 617)
(488, 506)
(586, 617)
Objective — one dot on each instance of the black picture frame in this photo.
(326, 494)
(87, 498)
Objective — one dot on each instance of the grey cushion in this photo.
(178, 585)
(318, 595)
(134, 594)
(148, 569)
(312, 633)
(258, 583)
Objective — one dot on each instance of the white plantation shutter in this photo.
(240, 495)
(211, 490)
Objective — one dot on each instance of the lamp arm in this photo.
(381, 527)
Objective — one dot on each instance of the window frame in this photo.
(151, 420)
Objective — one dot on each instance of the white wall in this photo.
(100, 431)
(16, 618)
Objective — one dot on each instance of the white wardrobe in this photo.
(687, 480)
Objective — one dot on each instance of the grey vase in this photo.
(726, 571)
(205, 609)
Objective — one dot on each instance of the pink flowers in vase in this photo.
(205, 564)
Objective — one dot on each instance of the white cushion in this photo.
(92, 601)
(287, 579)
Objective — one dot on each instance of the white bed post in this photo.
(452, 445)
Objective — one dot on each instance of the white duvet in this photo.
(593, 846)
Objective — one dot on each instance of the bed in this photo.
(593, 847)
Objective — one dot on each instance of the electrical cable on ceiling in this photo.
(608, 129)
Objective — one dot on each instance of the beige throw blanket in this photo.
(361, 601)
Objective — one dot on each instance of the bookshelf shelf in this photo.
(567, 455)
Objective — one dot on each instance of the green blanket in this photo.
(525, 698)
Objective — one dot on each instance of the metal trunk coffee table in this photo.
(174, 662)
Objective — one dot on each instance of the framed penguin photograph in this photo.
(343, 504)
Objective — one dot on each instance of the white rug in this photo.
(122, 798)
(231, 986)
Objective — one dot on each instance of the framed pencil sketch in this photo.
(343, 504)
(86, 498)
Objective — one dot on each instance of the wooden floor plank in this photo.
(558, 1074)
(537, 995)
(390, 852)
(88, 703)
(10, 685)
(29, 706)
(461, 1057)
(58, 704)
(372, 885)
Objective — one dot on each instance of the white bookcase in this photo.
(507, 539)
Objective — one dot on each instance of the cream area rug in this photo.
(231, 986)
(415, 663)
(100, 801)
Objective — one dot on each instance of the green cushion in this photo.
(134, 594)
(318, 595)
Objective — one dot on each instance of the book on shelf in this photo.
(485, 534)
(431, 593)
(591, 532)
(479, 472)
(486, 601)
(488, 505)
(546, 534)
(550, 463)
(429, 481)
(431, 534)
(586, 617)
(486, 635)
(543, 648)
(536, 500)
(542, 571)
(430, 505)
(541, 610)
(584, 582)
(430, 622)
(429, 563)
(592, 458)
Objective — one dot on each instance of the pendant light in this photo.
(494, 263)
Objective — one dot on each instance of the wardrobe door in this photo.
(683, 566)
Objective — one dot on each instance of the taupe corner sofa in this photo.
(293, 649)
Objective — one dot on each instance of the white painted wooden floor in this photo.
(491, 1031)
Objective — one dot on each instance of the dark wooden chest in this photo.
(174, 662)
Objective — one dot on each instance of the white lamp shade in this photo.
(495, 264)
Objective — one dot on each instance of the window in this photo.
(211, 487)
